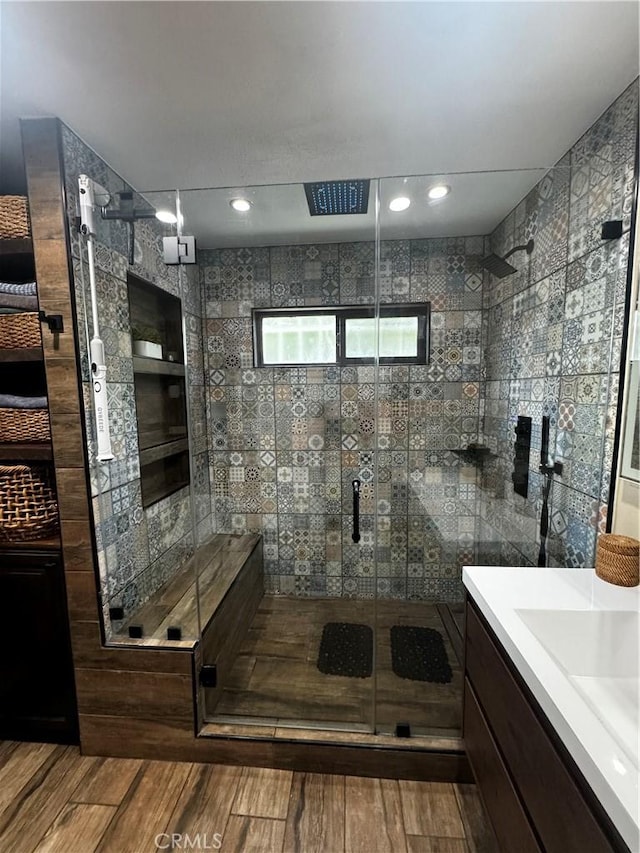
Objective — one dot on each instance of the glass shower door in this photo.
(428, 413)
(290, 427)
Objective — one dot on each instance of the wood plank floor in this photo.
(275, 679)
(55, 800)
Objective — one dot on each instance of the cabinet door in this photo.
(561, 806)
(37, 697)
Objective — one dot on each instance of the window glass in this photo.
(341, 334)
(299, 339)
(398, 337)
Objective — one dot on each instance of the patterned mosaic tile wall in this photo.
(285, 444)
(552, 336)
(138, 549)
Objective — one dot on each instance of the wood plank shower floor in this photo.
(54, 800)
(275, 679)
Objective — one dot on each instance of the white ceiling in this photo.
(279, 214)
(211, 94)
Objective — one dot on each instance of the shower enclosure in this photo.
(314, 342)
(319, 410)
(354, 372)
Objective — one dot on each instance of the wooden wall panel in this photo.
(62, 385)
(76, 541)
(89, 653)
(82, 600)
(52, 258)
(66, 431)
(149, 695)
(163, 740)
(72, 493)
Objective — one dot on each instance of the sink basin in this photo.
(588, 642)
(598, 652)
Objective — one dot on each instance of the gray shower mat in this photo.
(346, 649)
(419, 654)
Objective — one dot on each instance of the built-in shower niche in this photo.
(160, 389)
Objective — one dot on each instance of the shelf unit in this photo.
(26, 374)
(16, 246)
(28, 451)
(22, 354)
(157, 366)
(23, 370)
(37, 698)
(160, 392)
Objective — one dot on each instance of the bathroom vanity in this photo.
(551, 707)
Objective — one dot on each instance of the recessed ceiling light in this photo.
(438, 191)
(166, 216)
(399, 203)
(240, 204)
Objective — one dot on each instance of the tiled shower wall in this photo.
(281, 447)
(138, 549)
(552, 337)
(286, 443)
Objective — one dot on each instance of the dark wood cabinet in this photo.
(37, 698)
(534, 793)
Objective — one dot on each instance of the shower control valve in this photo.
(555, 468)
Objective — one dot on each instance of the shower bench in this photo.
(220, 564)
(209, 616)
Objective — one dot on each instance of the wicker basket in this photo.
(618, 559)
(28, 506)
(24, 425)
(14, 217)
(20, 330)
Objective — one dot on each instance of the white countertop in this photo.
(585, 729)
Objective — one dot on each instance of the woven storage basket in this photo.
(28, 506)
(20, 330)
(14, 217)
(618, 559)
(24, 425)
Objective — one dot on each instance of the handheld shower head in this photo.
(499, 267)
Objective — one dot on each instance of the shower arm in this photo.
(129, 214)
(135, 214)
(528, 247)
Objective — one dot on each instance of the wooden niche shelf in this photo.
(160, 390)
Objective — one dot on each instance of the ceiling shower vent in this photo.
(337, 198)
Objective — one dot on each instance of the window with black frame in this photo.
(350, 334)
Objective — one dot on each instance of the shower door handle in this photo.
(356, 510)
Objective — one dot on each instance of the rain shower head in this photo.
(335, 198)
(499, 267)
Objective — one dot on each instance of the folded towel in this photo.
(27, 303)
(28, 289)
(4, 310)
(11, 401)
